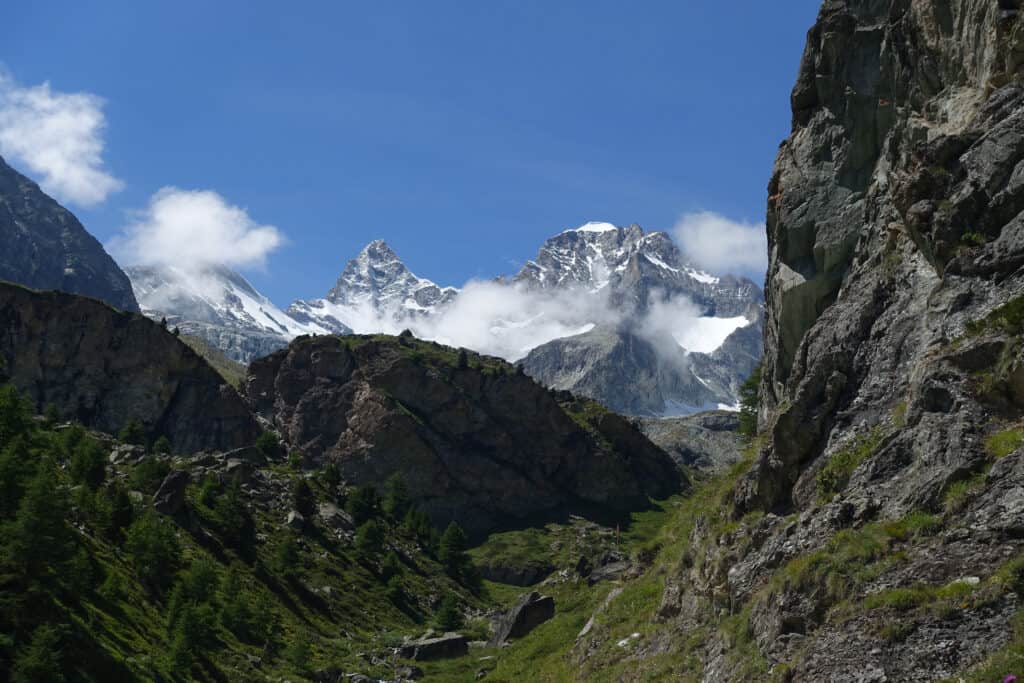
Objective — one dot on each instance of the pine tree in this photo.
(451, 552)
(88, 464)
(133, 432)
(362, 504)
(15, 414)
(42, 660)
(370, 537)
(449, 617)
(41, 542)
(396, 496)
(749, 403)
(303, 498)
(154, 547)
(162, 446)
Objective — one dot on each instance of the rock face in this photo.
(892, 353)
(170, 497)
(45, 247)
(481, 445)
(708, 441)
(105, 368)
(529, 612)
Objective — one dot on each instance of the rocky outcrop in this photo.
(446, 646)
(892, 354)
(170, 497)
(105, 368)
(708, 441)
(45, 247)
(529, 612)
(482, 445)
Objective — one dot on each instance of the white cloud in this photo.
(192, 229)
(723, 245)
(509, 320)
(57, 138)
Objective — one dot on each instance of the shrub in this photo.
(449, 617)
(331, 478)
(960, 493)
(1003, 443)
(149, 474)
(162, 446)
(268, 444)
(750, 402)
(133, 432)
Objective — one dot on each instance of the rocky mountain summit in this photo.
(375, 293)
(476, 441)
(45, 247)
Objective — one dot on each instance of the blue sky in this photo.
(463, 133)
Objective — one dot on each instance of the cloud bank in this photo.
(723, 245)
(57, 138)
(193, 229)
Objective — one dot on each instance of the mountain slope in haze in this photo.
(45, 247)
(612, 313)
(658, 358)
(219, 306)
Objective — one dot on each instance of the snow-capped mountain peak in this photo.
(375, 292)
(216, 302)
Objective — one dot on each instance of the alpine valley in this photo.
(385, 485)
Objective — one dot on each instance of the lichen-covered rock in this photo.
(105, 368)
(480, 445)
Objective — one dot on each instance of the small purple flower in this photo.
(1010, 679)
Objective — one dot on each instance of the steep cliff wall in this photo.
(876, 533)
(104, 368)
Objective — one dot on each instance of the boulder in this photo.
(295, 520)
(238, 470)
(336, 518)
(529, 612)
(609, 572)
(170, 497)
(446, 646)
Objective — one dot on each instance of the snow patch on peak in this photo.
(594, 226)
